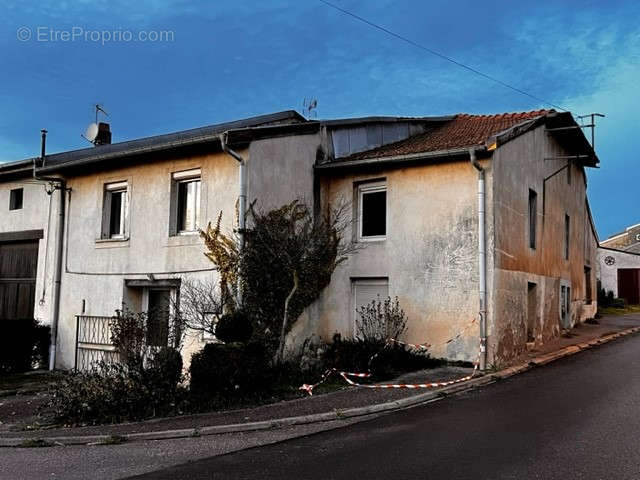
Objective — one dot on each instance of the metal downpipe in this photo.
(242, 203)
(482, 259)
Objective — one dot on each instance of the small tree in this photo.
(223, 251)
(201, 305)
(288, 260)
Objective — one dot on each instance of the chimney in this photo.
(104, 134)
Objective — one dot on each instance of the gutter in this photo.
(395, 159)
(482, 259)
(242, 202)
(60, 185)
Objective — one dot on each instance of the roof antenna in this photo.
(591, 125)
(92, 130)
(309, 107)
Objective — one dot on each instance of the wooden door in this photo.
(629, 285)
(18, 268)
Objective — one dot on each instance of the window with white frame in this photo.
(115, 210)
(372, 211)
(185, 200)
(367, 290)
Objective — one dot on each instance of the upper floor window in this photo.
(185, 202)
(533, 216)
(115, 210)
(15, 199)
(372, 211)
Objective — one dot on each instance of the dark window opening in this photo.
(374, 213)
(15, 199)
(532, 310)
(567, 234)
(533, 215)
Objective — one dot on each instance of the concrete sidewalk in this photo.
(348, 403)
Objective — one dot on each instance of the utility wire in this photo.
(438, 54)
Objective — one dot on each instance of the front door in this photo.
(158, 313)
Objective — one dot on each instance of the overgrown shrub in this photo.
(380, 321)
(373, 356)
(232, 370)
(115, 393)
(234, 327)
(24, 344)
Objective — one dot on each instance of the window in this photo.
(567, 234)
(533, 216)
(15, 199)
(115, 210)
(372, 211)
(365, 291)
(185, 209)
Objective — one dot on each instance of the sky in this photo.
(162, 66)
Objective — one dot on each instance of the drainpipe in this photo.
(482, 260)
(60, 185)
(242, 202)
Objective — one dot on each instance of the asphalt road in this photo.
(578, 418)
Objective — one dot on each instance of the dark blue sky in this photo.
(230, 59)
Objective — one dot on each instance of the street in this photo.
(576, 418)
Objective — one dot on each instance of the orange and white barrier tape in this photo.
(424, 346)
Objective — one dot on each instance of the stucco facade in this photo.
(609, 262)
(37, 208)
(528, 163)
(428, 256)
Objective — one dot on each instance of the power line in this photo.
(438, 54)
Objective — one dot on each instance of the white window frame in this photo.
(363, 189)
(110, 189)
(188, 176)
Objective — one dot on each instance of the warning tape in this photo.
(345, 375)
(423, 346)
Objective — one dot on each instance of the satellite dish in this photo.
(91, 133)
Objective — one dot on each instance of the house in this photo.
(619, 264)
(479, 224)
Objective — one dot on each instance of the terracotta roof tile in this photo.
(463, 131)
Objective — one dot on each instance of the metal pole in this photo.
(242, 205)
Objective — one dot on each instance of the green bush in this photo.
(234, 327)
(115, 393)
(24, 344)
(383, 361)
(230, 370)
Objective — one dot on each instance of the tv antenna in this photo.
(309, 107)
(91, 132)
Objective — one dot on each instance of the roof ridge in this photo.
(523, 114)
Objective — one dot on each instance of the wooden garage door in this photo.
(629, 285)
(18, 267)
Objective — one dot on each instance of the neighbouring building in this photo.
(619, 264)
(132, 209)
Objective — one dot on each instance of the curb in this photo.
(379, 408)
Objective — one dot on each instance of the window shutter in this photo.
(106, 214)
(366, 291)
(173, 209)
